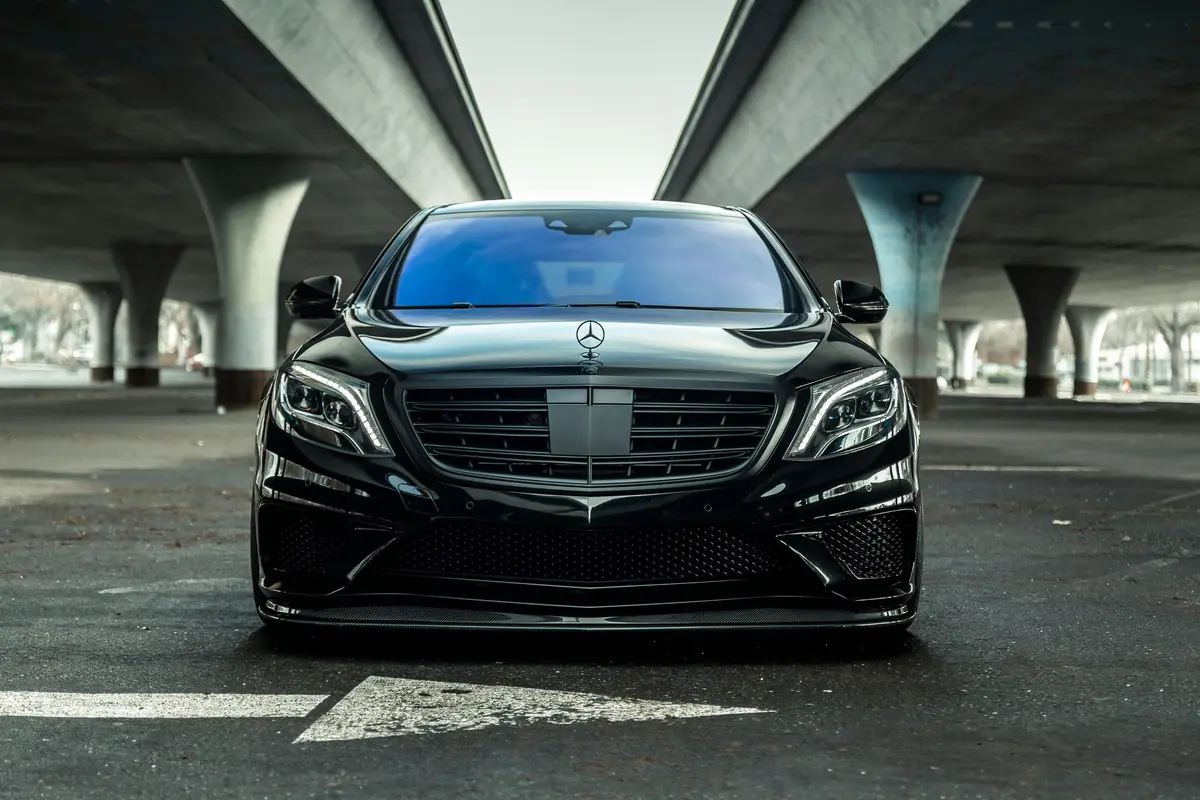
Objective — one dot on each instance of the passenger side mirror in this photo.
(315, 298)
(858, 303)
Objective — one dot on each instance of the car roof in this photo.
(591, 205)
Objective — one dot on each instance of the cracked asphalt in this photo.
(1057, 654)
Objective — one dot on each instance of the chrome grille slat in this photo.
(675, 434)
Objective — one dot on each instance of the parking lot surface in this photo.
(1057, 653)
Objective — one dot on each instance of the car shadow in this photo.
(626, 648)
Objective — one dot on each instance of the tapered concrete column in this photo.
(103, 300)
(1042, 293)
(1087, 324)
(913, 219)
(145, 269)
(963, 335)
(208, 317)
(250, 204)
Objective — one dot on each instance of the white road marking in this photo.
(79, 705)
(380, 707)
(1001, 468)
(182, 585)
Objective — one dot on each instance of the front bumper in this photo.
(348, 541)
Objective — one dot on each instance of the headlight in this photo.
(850, 412)
(327, 407)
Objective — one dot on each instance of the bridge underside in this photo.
(101, 101)
(1080, 116)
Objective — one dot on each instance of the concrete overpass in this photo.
(215, 150)
(978, 159)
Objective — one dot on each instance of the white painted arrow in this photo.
(78, 705)
(380, 707)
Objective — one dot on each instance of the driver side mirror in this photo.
(858, 303)
(315, 298)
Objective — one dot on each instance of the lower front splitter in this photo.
(427, 617)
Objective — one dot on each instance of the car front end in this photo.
(594, 468)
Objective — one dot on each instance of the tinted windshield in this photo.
(590, 257)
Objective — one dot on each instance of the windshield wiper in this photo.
(636, 304)
(464, 304)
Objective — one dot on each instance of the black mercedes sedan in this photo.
(586, 416)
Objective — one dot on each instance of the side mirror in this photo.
(859, 303)
(315, 298)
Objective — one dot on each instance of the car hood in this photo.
(545, 341)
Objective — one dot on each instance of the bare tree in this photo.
(1002, 342)
(1174, 324)
(28, 305)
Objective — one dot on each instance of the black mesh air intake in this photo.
(615, 556)
(875, 547)
(309, 543)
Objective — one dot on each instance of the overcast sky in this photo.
(585, 99)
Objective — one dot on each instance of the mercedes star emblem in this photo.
(590, 334)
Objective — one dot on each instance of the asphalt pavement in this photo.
(1057, 654)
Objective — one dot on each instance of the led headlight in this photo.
(850, 412)
(327, 407)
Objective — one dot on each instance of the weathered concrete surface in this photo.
(1079, 116)
(100, 100)
(1051, 660)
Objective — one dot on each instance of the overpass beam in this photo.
(1087, 324)
(103, 300)
(964, 336)
(145, 269)
(1042, 293)
(250, 203)
(913, 218)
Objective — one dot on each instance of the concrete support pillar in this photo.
(145, 269)
(963, 335)
(1042, 293)
(103, 300)
(208, 317)
(1087, 324)
(250, 203)
(876, 333)
(913, 218)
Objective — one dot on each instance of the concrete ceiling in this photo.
(101, 99)
(1081, 115)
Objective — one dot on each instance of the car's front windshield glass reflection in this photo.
(590, 257)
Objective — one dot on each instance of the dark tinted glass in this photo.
(577, 258)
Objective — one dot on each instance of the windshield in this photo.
(590, 257)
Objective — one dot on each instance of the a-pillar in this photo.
(145, 269)
(913, 218)
(963, 335)
(1087, 324)
(208, 318)
(103, 300)
(1042, 293)
(250, 203)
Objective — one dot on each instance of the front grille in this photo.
(593, 556)
(690, 433)
(874, 547)
(490, 431)
(673, 434)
